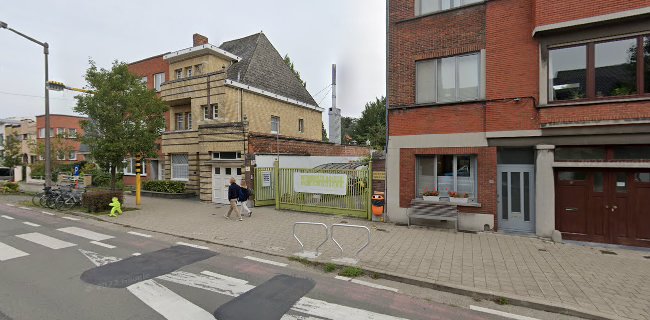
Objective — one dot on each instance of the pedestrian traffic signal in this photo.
(55, 86)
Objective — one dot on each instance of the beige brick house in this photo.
(220, 97)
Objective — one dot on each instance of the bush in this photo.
(98, 200)
(351, 272)
(10, 187)
(164, 186)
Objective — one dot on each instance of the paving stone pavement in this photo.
(535, 269)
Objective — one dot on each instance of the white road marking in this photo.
(48, 213)
(167, 303)
(139, 234)
(71, 218)
(7, 252)
(500, 313)
(86, 233)
(105, 245)
(136, 254)
(31, 224)
(280, 264)
(7, 217)
(192, 245)
(366, 283)
(297, 317)
(46, 241)
(222, 277)
(25, 208)
(312, 307)
(10, 204)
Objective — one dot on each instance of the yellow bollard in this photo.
(138, 169)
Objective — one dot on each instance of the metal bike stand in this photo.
(310, 254)
(345, 260)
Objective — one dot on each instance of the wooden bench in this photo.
(429, 210)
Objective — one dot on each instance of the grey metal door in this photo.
(516, 198)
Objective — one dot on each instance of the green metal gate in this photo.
(329, 191)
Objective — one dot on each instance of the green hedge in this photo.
(98, 200)
(166, 186)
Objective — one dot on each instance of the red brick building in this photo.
(538, 110)
(64, 130)
(154, 72)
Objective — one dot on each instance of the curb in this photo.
(420, 282)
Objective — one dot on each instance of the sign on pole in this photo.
(320, 183)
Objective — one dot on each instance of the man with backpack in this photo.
(244, 194)
(233, 195)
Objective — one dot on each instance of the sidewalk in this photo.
(530, 271)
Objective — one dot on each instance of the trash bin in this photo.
(378, 207)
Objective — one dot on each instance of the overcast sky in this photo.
(315, 33)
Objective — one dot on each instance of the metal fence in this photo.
(264, 190)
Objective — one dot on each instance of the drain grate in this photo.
(608, 252)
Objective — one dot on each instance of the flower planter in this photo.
(459, 200)
(431, 198)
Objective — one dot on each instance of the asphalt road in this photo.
(58, 268)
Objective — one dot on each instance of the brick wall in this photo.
(555, 11)
(439, 35)
(610, 111)
(437, 120)
(66, 122)
(148, 68)
(487, 176)
(258, 143)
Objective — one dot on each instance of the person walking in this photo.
(243, 198)
(233, 196)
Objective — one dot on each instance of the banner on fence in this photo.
(320, 183)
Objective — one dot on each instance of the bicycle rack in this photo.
(310, 254)
(342, 259)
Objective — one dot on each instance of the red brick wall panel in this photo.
(556, 11)
(437, 120)
(148, 68)
(487, 176)
(62, 121)
(610, 111)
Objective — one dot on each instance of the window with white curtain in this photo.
(180, 167)
(450, 79)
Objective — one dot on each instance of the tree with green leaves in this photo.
(348, 125)
(324, 132)
(371, 126)
(12, 154)
(125, 118)
(288, 61)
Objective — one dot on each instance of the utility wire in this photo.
(319, 92)
(325, 96)
(33, 96)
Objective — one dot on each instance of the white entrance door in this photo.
(221, 180)
(516, 198)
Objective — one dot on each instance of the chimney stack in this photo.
(199, 40)
(334, 114)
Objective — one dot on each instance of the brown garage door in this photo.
(603, 205)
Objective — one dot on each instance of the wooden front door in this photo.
(603, 205)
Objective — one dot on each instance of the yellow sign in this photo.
(379, 175)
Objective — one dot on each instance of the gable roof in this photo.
(261, 66)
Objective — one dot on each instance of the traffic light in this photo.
(55, 86)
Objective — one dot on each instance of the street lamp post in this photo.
(48, 160)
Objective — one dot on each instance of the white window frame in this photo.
(177, 167)
(463, 3)
(215, 111)
(72, 155)
(206, 113)
(72, 133)
(438, 61)
(129, 168)
(217, 155)
(60, 132)
(188, 120)
(41, 133)
(180, 121)
(158, 80)
(179, 73)
(274, 120)
(301, 125)
(473, 173)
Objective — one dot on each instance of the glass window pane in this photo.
(446, 4)
(515, 191)
(505, 202)
(228, 171)
(527, 196)
(465, 175)
(646, 55)
(567, 73)
(239, 171)
(642, 177)
(572, 176)
(516, 156)
(428, 6)
(447, 80)
(580, 153)
(621, 182)
(456, 3)
(425, 83)
(598, 182)
(445, 169)
(471, 1)
(425, 176)
(468, 73)
(632, 153)
(616, 68)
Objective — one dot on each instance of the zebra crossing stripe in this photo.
(31, 224)
(8, 252)
(101, 244)
(71, 218)
(7, 217)
(80, 232)
(45, 241)
(139, 234)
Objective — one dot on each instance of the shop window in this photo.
(631, 153)
(447, 173)
(580, 153)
